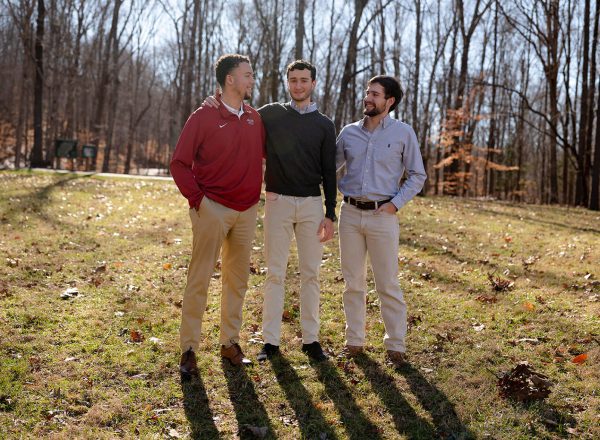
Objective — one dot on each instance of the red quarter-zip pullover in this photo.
(219, 155)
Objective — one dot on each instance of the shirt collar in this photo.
(312, 107)
(383, 123)
(238, 112)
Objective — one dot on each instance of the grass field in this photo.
(102, 362)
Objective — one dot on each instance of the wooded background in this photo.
(503, 95)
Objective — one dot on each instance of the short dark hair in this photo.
(226, 63)
(302, 65)
(392, 88)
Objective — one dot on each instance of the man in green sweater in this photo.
(300, 156)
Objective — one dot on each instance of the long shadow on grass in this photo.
(197, 411)
(406, 420)
(249, 410)
(357, 425)
(446, 422)
(536, 220)
(310, 420)
(36, 201)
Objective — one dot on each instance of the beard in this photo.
(247, 94)
(374, 111)
(301, 97)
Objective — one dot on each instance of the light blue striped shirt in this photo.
(312, 107)
(372, 163)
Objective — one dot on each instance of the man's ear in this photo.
(390, 101)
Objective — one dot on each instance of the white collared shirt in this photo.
(238, 113)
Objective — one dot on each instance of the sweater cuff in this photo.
(330, 213)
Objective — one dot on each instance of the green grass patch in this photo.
(70, 369)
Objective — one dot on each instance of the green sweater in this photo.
(300, 153)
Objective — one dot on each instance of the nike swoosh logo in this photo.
(221, 126)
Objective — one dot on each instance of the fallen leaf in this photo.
(532, 259)
(286, 316)
(35, 362)
(500, 284)
(528, 306)
(71, 292)
(96, 281)
(533, 341)
(580, 359)
(488, 299)
(173, 433)
(136, 336)
(478, 327)
(101, 268)
(414, 320)
(523, 384)
(167, 266)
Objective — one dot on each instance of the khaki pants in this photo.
(217, 228)
(362, 233)
(286, 216)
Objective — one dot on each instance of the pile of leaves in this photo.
(523, 384)
(500, 284)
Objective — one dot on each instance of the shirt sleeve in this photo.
(413, 164)
(186, 151)
(328, 159)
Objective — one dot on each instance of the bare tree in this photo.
(37, 153)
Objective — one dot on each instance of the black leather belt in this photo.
(365, 205)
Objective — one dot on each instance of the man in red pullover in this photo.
(217, 166)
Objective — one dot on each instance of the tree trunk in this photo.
(113, 49)
(581, 190)
(595, 196)
(37, 154)
(190, 65)
(328, 73)
(595, 165)
(348, 74)
(299, 47)
(417, 73)
(488, 173)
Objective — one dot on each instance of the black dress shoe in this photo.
(314, 351)
(267, 352)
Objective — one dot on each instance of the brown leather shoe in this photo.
(234, 354)
(396, 357)
(188, 366)
(353, 350)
